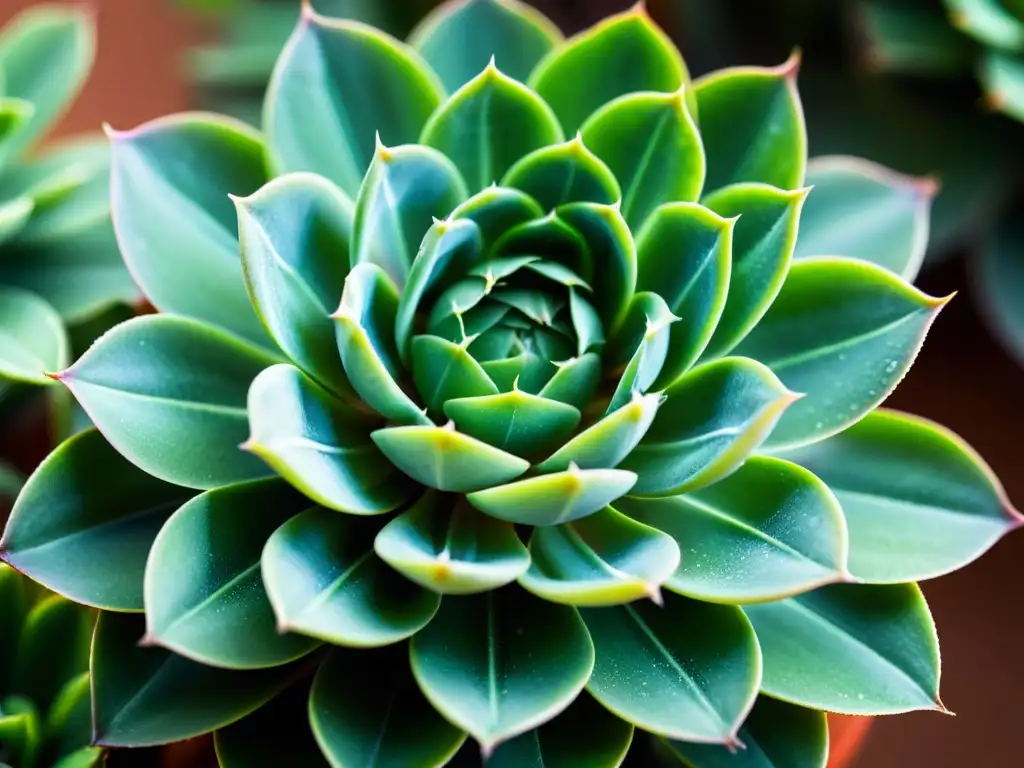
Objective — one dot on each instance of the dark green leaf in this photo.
(147, 696)
(445, 371)
(686, 670)
(14, 605)
(338, 84)
(642, 343)
(85, 505)
(53, 647)
(169, 394)
(324, 580)
(564, 173)
(843, 332)
(998, 273)
(203, 590)
(851, 649)
(176, 226)
(320, 445)
(32, 338)
(366, 712)
(516, 421)
(495, 210)
(69, 721)
(458, 39)
(501, 663)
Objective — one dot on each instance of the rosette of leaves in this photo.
(60, 270)
(44, 678)
(495, 408)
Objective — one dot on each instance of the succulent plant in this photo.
(494, 400)
(60, 270)
(44, 678)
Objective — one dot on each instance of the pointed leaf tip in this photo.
(790, 68)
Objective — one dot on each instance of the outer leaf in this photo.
(175, 225)
(490, 123)
(450, 548)
(45, 55)
(604, 559)
(502, 663)
(684, 254)
(752, 126)
(555, 498)
(405, 190)
(323, 580)
(458, 39)
(844, 332)
(53, 646)
(767, 531)
(851, 649)
(774, 735)
(32, 337)
(292, 233)
(86, 505)
(558, 743)
(337, 84)
(440, 457)
(712, 419)
(688, 670)
(762, 247)
(169, 394)
(564, 173)
(366, 712)
(625, 53)
(255, 740)
(87, 757)
(203, 591)
(146, 696)
(987, 21)
(1002, 77)
(919, 501)
(69, 721)
(652, 145)
(321, 445)
(15, 213)
(861, 209)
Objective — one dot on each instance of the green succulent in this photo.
(60, 270)
(44, 678)
(495, 399)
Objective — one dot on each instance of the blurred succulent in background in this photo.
(61, 276)
(524, 417)
(943, 70)
(44, 678)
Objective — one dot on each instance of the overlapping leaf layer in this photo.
(494, 395)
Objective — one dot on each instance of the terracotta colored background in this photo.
(961, 379)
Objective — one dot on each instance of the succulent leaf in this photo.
(33, 341)
(564, 173)
(53, 647)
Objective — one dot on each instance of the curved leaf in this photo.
(711, 420)
(642, 345)
(767, 531)
(203, 592)
(440, 457)
(686, 670)
(843, 332)
(558, 743)
(988, 22)
(323, 580)
(496, 210)
(556, 498)
(490, 123)
(147, 696)
(450, 548)
(336, 85)
(604, 559)
(575, 381)
(84, 505)
(652, 145)
(32, 338)
(752, 125)
(445, 371)
(501, 663)
(1002, 77)
(624, 53)
(405, 190)
(919, 502)
(563, 173)
(175, 225)
(170, 394)
(517, 422)
(291, 234)
(53, 647)
(861, 209)
(320, 445)
(851, 648)
(458, 39)
(774, 735)
(366, 712)
(762, 247)
(998, 274)
(684, 254)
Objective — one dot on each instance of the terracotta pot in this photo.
(846, 738)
